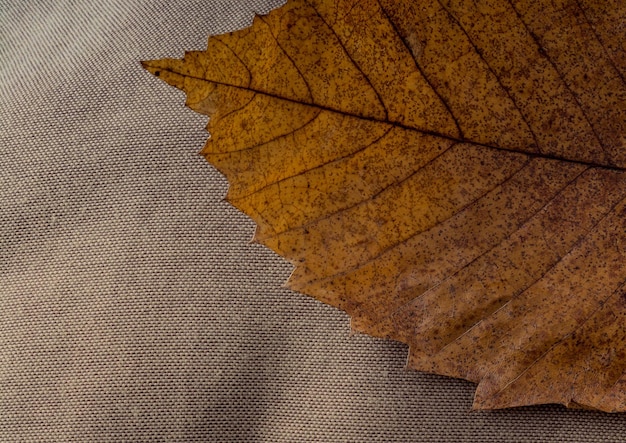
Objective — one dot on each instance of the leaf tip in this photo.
(152, 67)
(171, 71)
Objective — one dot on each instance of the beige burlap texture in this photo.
(133, 307)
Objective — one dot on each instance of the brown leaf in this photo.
(449, 172)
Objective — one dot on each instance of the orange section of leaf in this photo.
(448, 172)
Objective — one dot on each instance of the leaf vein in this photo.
(569, 252)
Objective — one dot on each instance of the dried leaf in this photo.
(448, 172)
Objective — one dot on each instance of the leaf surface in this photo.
(448, 172)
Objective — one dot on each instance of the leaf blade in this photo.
(460, 231)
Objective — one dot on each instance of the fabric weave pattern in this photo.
(133, 307)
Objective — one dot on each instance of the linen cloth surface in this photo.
(133, 307)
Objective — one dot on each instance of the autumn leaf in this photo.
(448, 172)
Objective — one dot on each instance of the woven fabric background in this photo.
(132, 306)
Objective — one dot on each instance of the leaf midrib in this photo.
(401, 125)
